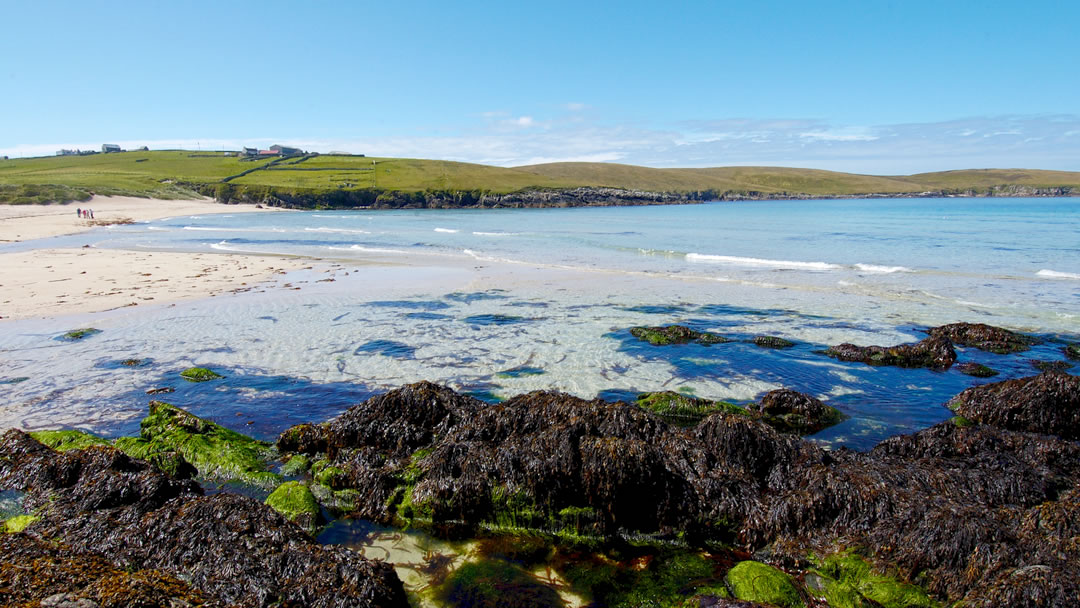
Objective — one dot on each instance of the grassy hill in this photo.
(362, 180)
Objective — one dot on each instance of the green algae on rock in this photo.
(772, 342)
(215, 451)
(845, 579)
(199, 374)
(294, 500)
(18, 523)
(79, 334)
(683, 409)
(757, 582)
(493, 583)
(977, 370)
(63, 441)
(1051, 366)
(1072, 351)
(675, 334)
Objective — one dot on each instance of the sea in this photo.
(498, 302)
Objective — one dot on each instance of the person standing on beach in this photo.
(78, 212)
(91, 214)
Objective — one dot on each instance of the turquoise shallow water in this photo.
(498, 302)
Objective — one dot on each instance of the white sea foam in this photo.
(447, 230)
(338, 230)
(882, 269)
(759, 262)
(223, 246)
(1054, 274)
(156, 228)
(363, 249)
(211, 229)
(495, 233)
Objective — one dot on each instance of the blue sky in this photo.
(874, 87)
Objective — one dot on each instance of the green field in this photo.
(178, 173)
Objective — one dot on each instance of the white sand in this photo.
(44, 283)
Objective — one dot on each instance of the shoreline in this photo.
(53, 282)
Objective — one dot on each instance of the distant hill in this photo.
(356, 181)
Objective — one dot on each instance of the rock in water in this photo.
(790, 411)
(984, 337)
(675, 334)
(934, 353)
(1048, 403)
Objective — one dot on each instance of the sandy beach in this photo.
(51, 282)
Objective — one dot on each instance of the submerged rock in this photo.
(1047, 403)
(977, 370)
(675, 334)
(1072, 351)
(1051, 366)
(934, 353)
(78, 334)
(984, 337)
(101, 503)
(790, 411)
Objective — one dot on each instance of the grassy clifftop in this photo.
(365, 180)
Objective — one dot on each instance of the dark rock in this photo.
(984, 337)
(977, 370)
(1072, 351)
(237, 551)
(934, 353)
(36, 572)
(675, 334)
(1048, 403)
(1051, 366)
(772, 342)
(790, 411)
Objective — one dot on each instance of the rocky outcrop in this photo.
(99, 502)
(934, 353)
(984, 337)
(790, 411)
(1047, 403)
(977, 512)
(977, 370)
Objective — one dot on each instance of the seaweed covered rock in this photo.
(984, 337)
(772, 342)
(681, 409)
(675, 334)
(232, 549)
(216, 452)
(40, 573)
(199, 374)
(65, 440)
(934, 352)
(977, 370)
(1051, 366)
(1072, 351)
(1047, 403)
(296, 503)
(758, 582)
(790, 411)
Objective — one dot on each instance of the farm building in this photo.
(110, 148)
(285, 150)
